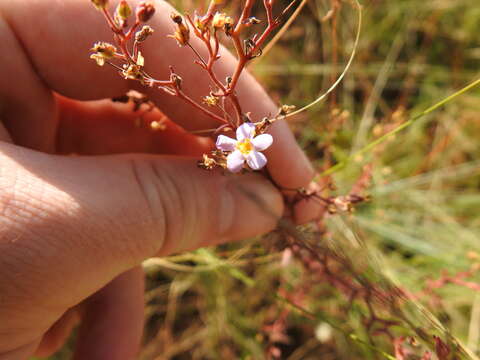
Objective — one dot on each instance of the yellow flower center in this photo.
(245, 147)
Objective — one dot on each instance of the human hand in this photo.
(73, 229)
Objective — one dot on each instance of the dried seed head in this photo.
(286, 109)
(140, 59)
(210, 100)
(144, 33)
(103, 51)
(342, 203)
(207, 163)
(132, 72)
(100, 60)
(158, 125)
(145, 11)
(221, 20)
(100, 4)
(263, 125)
(249, 45)
(251, 21)
(228, 27)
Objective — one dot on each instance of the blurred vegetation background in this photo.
(422, 220)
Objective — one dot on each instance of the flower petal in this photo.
(225, 143)
(245, 131)
(262, 142)
(256, 160)
(235, 161)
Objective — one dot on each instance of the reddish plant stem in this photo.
(111, 23)
(136, 46)
(268, 4)
(122, 39)
(126, 53)
(216, 42)
(197, 54)
(209, 14)
(208, 66)
(119, 36)
(247, 9)
(160, 82)
(132, 30)
(213, 53)
(186, 98)
(244, 57)
(272, 24)
(242, 61)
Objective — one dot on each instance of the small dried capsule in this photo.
(123, 10)
(145, 11)
(144, 33)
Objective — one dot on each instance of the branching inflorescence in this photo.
(244, 152)
(126, 57)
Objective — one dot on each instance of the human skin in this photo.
(74, 229)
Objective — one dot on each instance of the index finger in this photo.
(54, 37)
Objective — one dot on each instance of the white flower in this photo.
(246, 147)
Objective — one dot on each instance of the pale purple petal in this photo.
(225, 143)
(256, 160)
(245, 131)
(235, 161)
(262, 142)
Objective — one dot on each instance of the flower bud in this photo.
(182, 32)
(182, 35)
(145, 11)
(100, 4)
(123, 10)
(176, 18)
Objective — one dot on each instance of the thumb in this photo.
(71, 224)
